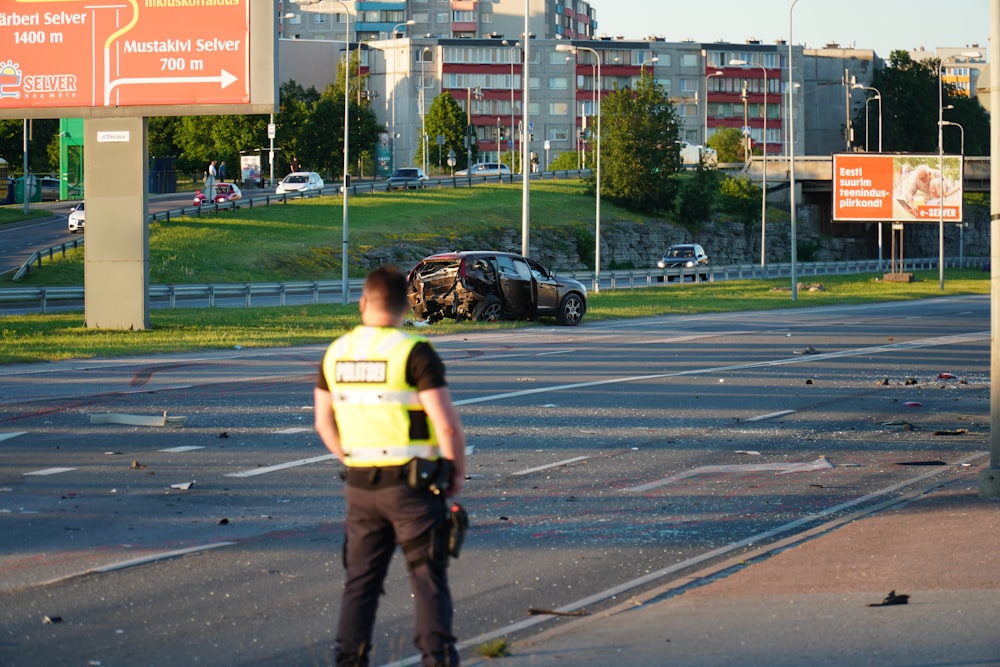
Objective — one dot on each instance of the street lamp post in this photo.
(746, 124)
(322, 7)
(763, 179)
(961, 224)
(653, 60)
(704, 140)
(876, 96)
(969, 54)
(791, 157)
(510, 139)
(597, 215)
(469, 133)
(941, 177)
(423, 112)
(401, 25)
(344, 285)
(526, 137)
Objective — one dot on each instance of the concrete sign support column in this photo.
(116, 271)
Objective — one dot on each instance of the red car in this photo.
(224, 192)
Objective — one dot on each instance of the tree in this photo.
(294, 106)
(728, 143)
(639, 150)
(565, 161)
(43, 130)
(909, 90)
(320, 144)
(202, 139)
(445, 118)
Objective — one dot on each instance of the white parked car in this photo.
(485, 169)
(76, 220)
(300, 181)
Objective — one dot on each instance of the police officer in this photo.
(383, 408)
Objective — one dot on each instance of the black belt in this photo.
(375, 477)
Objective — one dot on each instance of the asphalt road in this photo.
(607, 458)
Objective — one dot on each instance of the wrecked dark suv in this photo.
(489, 286)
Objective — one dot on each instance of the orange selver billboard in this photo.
(129, 53)
(896, 188)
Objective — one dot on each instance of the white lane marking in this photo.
(8, 436)
(49, 471)
(696, 560)
(185, 448)
(856, 352)
(551, 465)
(280, 466)
(770, 415)
(778, 468)
(291, 431)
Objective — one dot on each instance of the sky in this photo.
(882, 25)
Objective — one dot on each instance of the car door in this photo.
(515, 285)
(545, 287)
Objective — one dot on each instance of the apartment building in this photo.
(960, 66)
(440, 19)
(712, 86)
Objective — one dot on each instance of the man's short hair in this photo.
(385, 287)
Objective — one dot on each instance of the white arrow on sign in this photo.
(225, 79)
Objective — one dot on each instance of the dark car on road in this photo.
(406, 178)
(490, 286)
(684, 256)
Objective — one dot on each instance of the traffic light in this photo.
(500, 131)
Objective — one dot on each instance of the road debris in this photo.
(138, 420)
(534, 611)
(892, 599)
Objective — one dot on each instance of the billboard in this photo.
(897, 188)
(76, 58)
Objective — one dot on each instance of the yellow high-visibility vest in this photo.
(379, 416)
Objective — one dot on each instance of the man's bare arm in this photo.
(448, 427)
(325, 423)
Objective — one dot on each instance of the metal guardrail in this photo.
(261, 294)
(37, 256)
(647, 278)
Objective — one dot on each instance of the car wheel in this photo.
(489, 310)
(571, 310)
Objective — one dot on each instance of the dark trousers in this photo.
(379, 519)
